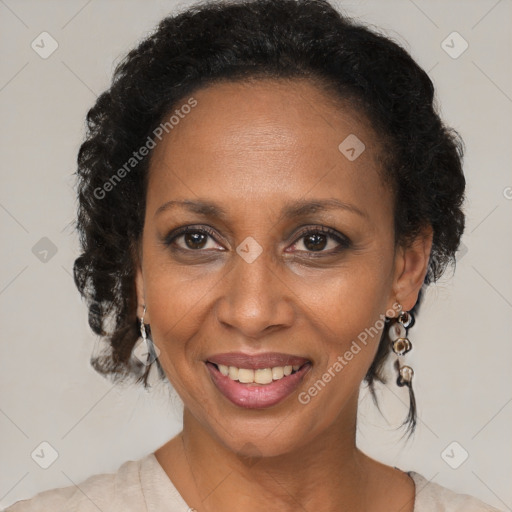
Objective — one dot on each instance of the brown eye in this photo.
(192, 239)
(321, 240)
(195, 240)
(315, 242)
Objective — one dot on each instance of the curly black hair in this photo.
(237, 41)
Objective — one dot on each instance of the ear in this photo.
(411, 265)
(139, 287)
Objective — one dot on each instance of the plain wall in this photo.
(49, 392)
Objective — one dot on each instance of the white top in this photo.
(143, 486)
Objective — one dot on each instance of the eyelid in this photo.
(341, 239)
(193, 228)
(325, 231)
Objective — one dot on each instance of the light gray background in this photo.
(462, 349)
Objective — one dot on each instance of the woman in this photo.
(263, 192)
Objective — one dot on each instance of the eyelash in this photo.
(342, 240)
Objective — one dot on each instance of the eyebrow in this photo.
(292, 209)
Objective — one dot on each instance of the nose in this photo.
(255, 299)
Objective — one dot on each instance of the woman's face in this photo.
(289, 260)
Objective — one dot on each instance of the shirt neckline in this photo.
(158, 489)
(160, 492)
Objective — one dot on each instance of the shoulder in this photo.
(431, 496)
(113, 491)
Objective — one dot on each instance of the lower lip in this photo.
(257, 396)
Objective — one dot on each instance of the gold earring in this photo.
(401, 345)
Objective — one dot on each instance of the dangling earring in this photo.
(146, 344)
(401, 345)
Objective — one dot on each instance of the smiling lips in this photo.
(257, 381)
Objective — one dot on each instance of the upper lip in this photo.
(257, 361)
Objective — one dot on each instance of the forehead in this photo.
(267, 140)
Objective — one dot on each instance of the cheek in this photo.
(176, 313)
(345, 315)
(177, 293)
(346, 336)
(176, 303)
(347, 299)
(350, 325)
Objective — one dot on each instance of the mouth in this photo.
(257, 382)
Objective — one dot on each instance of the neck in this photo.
(329, 473)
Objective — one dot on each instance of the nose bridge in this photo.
(254, 297)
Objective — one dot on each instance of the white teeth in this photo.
(233, 373)
(259, 376)
(263, 376)
(277, 372)
(245, 375)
